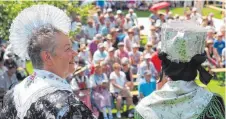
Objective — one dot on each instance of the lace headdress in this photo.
(31, 19)
(181, 40)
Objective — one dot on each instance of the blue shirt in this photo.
(219, 45)
(120, 37)
(99, 56)
(147, 88)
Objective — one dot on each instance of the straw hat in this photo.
(79, 70)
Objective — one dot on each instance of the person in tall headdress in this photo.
(182, 53)
(40, 33)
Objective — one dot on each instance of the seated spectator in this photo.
(224, 57)
(212, 55)
(3, 69)
(105, 29)
(94, 43)
(100, 95)
(108, 42)
(128, 72)
(120, 53)
(120, 89)
(84, 54)
(148, 49)
(128, 23)
(148, 86)
(134, 57)
(210, 34)
(111, 59)
(219, 43)
(101, 24)
(129, 40)
(8, 80)
(120, 19)
(80, 84)
(146, 65)
(121, 35)
(100, 54)
(90, 30)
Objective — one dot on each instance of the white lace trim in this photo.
(182, 40)
(176, 100)
(28, 92)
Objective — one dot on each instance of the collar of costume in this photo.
(37, 85)
(173, 100)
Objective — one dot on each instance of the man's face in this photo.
(11, 71)
(147, 78)
(101, 49)
(63, 59)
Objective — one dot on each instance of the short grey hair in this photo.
(42, 39)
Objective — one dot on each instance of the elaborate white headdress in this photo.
(182, 40)
(32, 18)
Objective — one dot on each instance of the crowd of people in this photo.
(109, 55)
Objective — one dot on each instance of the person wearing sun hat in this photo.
(134, 57)
(41, 33)
(100, 54)
(108, 42)
(182, 48)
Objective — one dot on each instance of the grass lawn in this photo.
(180, 11)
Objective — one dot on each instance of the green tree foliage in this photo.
(10, 9)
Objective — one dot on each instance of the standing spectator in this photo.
(195, 16)
(100, 54)
(148, 86)
(134, 57)
(219, 43)
(120, 89)
(90, 30)
(100, 95)
(210, 19)
(153, 17)
(9, 79)
(121, 52)
(133, 17)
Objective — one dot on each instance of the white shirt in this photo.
(120, 80)
(74, 83)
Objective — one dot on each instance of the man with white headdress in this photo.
(40, 33)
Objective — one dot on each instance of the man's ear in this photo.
(46, 58)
